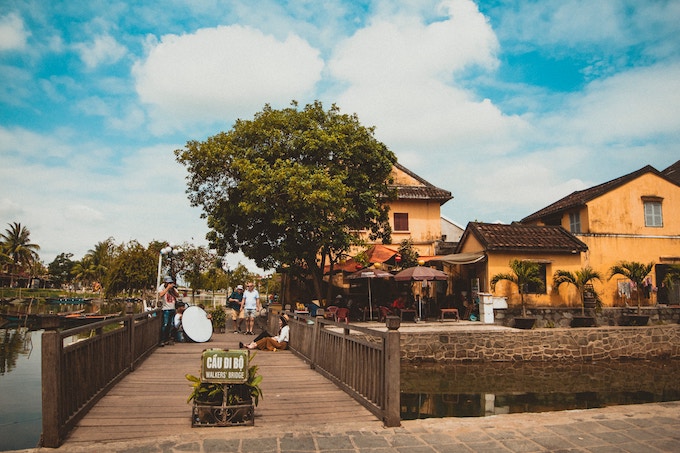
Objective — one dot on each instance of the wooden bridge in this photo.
(153, 398)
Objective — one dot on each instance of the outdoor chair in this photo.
(329, 313)
(384, 313)
(342, 314)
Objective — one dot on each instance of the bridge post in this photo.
(392, 414)
(51, 388)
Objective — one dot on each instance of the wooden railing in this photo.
(363, 362)
(76, 373)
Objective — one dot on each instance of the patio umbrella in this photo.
(370, 273)
(420, 273)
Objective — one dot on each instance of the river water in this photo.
(427, 390)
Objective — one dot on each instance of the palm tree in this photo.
(524, 273)
(633, 271)
(17, 246)
(99, 259)
(580, 279)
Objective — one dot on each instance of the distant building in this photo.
(635, 217)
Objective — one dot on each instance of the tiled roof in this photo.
(581, 197)
(673, 173)
(424, 191)
(524, 238)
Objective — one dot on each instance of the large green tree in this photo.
(17, 247)
(132, 269)
(60, 268)
(291, 186)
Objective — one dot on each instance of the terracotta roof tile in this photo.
(524, 238)
(423, 191)
(581, 197)
(673, 172)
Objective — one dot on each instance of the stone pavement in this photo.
(653, 427)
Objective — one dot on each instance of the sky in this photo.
(508, 104)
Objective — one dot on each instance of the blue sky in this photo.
(510, 105)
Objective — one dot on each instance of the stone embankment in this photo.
(510, 345)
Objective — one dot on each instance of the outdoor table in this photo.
(449, 310)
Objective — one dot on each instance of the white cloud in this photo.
(639, 104)
(102, 50)
(221, 73)
(402, 76)
(13, 35)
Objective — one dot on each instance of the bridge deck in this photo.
(151, 401)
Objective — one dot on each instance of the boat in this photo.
(19, 318)
(80, 319)
(68, 300)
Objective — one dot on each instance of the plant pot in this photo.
(525, 323)
(583, 321)
(634, 320)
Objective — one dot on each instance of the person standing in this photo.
(251, 305)
(169, 296)
(234, 304)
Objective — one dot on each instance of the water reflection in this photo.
(20, 388)
(12, 343)
(477, 390)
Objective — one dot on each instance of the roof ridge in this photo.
(580, 197)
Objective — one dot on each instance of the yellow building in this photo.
(416, 213)
(634, 218)
(486, 249)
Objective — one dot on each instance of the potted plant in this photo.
(217, 404)
(523, 274)
(582, 279)
(219, 319)
(636, 273)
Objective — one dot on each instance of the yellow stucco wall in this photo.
(498, 263)
(613, 227)
(424, 221)
(424, 218)
(621, 210)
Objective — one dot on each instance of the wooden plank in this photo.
(152, 399)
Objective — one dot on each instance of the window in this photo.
(400, 221)
(533, 288)
(653, 216)
(575, 222)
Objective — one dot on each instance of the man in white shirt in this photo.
(251, 306)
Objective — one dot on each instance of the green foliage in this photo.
(409, 255)
(60, 268)
(633, 271)
(291, 185)
(579, 279)
(218, 318)
(673, 276)
(206, 391)
(524, 273)
(132, 269)
(18, 252)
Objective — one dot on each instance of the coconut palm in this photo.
(580, 279)
(633, 271)
(16, 245)
(524, 273)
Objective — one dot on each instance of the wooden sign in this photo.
(221, 366)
